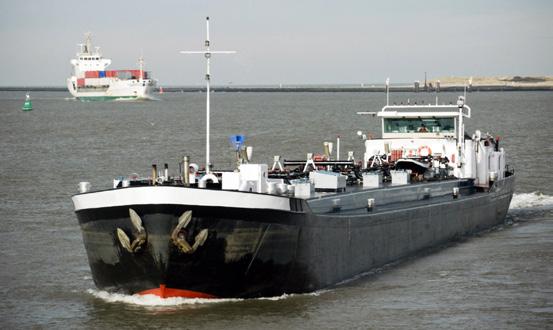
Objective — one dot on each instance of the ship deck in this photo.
(388, 197)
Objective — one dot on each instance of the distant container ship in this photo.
(92, 82)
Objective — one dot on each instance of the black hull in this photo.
(224, 266)
(263, 252)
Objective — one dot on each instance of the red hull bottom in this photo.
(165, 292)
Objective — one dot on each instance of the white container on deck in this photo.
(303, 189)
(372, 180)
(231, 180)
(399, 177)
(328, 180)
(256, 173)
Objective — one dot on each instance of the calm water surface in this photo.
(500, 279)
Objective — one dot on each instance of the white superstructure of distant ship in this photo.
(91, 81)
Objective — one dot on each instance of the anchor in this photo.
(140, 234)
(178, 235)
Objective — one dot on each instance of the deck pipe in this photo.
(154, 174)
(186, 171)
(322, 163)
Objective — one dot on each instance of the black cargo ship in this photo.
(277, 244)
(256, 232)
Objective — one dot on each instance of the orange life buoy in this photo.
(426, 149)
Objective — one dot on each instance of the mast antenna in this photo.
(141, 66)
(388, 91)
(88, 43)
(207, 54)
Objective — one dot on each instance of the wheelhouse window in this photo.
(419, 125)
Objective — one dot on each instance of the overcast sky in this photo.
(280, 41)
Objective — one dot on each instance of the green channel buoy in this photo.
(28, 105)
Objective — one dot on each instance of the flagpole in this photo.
(207, 106)
(207, 54)
(387, 91)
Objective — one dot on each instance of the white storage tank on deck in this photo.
(502, 163)
(469, 166)
(494, 163)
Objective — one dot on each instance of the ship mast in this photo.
(141, 64)
(207, 54)
(88, 43)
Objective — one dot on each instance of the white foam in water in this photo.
(531, 200)
(286, 295)
(153, 300)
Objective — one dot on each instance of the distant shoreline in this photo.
(443, 84)
(333, 89)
